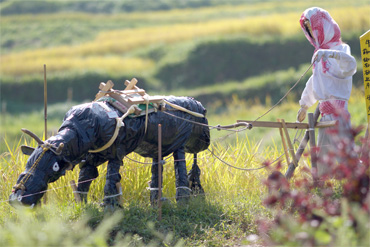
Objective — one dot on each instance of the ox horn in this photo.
(38, 140)
(59, 149)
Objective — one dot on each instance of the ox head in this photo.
(45, 165)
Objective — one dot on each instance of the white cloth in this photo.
(332, 80)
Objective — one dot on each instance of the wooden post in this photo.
(75, 192)
(45, 103)
(311, 132)
(159, 172)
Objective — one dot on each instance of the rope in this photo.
(21, 185)
(239, 168)
(286, 92)
(111, 196)
(218, 127)
(183, 187)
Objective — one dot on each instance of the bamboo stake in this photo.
(45, 103)
(159, 172)
(291, 149)
(45, 113)
(284, 144)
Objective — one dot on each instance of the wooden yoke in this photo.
(104, 89)
(131, 84)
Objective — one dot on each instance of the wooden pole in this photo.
(159, 172)
(45, 103)
(311, 132)
(75, 192)
(45, 114)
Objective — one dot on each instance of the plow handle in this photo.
(302, 146)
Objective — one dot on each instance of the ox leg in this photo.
(194, 178)
(154, 182)
(87, 174)
(182, 184)
(111, 193)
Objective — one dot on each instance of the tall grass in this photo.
(233, 196)
(228, 192)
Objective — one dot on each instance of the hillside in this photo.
(167, 49)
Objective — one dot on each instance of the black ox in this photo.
(89, 126)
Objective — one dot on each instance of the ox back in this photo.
(94, 127)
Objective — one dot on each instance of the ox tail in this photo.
(194, 177)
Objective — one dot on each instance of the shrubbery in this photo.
(334, 211)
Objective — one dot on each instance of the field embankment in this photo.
(166, 51)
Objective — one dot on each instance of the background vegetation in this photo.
(237, 57)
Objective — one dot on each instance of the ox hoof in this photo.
(197, 189)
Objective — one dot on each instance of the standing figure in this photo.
(331, 81)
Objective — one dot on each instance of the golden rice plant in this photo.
(217, 178)
(105, 63)
(103, 52)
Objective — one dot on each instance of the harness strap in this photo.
(119, 121)
(119, 124)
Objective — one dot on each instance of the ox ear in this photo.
(27, 150)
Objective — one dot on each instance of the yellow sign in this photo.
(365, 56)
